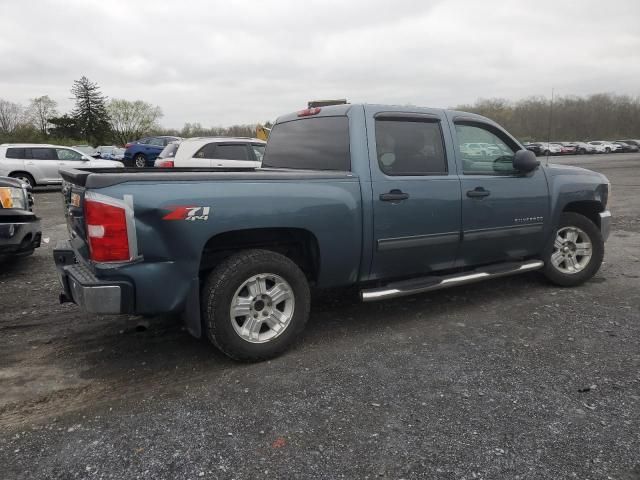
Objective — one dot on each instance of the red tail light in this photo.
(107, 230)
(127, 145)
(164, 163)
(307, 112)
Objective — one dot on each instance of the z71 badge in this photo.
(188, 213)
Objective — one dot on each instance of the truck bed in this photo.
(106, 177)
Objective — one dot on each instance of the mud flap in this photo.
(191, 313)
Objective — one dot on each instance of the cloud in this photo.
(220, 63)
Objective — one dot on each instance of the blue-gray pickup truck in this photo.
(393, 200)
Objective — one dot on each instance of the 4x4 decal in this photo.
(187, 212)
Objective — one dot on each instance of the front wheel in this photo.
(577, 251)
(255, 304)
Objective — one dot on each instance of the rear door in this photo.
(42, 163)
(416, 193)
(504, 212)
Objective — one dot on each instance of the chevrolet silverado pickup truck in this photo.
(378, 197)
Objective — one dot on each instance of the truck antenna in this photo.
(549, 131)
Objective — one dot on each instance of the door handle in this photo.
(394, 195)
(478, 192)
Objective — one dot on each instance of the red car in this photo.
(567, 148)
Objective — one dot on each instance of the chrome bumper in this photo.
(605, 224)
(83, 288)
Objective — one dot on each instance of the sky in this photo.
(221, 63)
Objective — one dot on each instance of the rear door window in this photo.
(410, 147)
(43, 154)
(320, 143)
(224, 151)
(157, 142)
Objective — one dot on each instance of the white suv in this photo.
(205, 152)
(38, 164)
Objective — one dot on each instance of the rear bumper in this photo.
(20, 234)
(83, 288)
(605, 224)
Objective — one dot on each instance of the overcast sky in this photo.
(226, 62)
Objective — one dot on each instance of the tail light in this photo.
(307, 112)
(107, 229)
(164, 163)
(127, 145)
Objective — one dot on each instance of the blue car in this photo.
(142, 153)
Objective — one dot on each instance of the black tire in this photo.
(221, 286)
(27, 178)
(607, 150)
(140, 158)
(546, 153)
(553, 274)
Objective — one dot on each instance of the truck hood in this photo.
(555, 170)
(100, 163)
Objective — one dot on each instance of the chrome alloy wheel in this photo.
(262, 308)
(571, 250)
(140, 161)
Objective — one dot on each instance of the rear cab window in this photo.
(319, 143)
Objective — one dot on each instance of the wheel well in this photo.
(300, 245)
(20, 172)
(587, 208)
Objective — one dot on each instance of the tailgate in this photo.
(73, 205)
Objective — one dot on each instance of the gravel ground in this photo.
(511, 378)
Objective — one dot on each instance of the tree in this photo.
(40, 111)
(64, 127)
(91, 112)
(11, 116)
(132, 120)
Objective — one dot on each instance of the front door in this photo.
(504, 212)
(416, 194)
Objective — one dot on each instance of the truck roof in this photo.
(339, 110)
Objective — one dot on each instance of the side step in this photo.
(428, 284)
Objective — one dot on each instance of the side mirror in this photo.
(525, 161)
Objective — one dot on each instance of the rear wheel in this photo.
(577, 251)
(140, 161)
(607, 150)
(24, 178)
(255, 304)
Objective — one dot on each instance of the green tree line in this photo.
(95, 120)
(602, 116)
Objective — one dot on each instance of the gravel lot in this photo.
(512, 378)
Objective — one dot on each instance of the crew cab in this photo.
(383, 198)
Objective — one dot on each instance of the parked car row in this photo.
(581, 148)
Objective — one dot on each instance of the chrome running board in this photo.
(428, 284)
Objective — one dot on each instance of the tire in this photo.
(140, 161)
(25, 177)
(235, 282)
(546, 153)
(607, 150)
(563, 255)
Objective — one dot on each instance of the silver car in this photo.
(38, 164)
